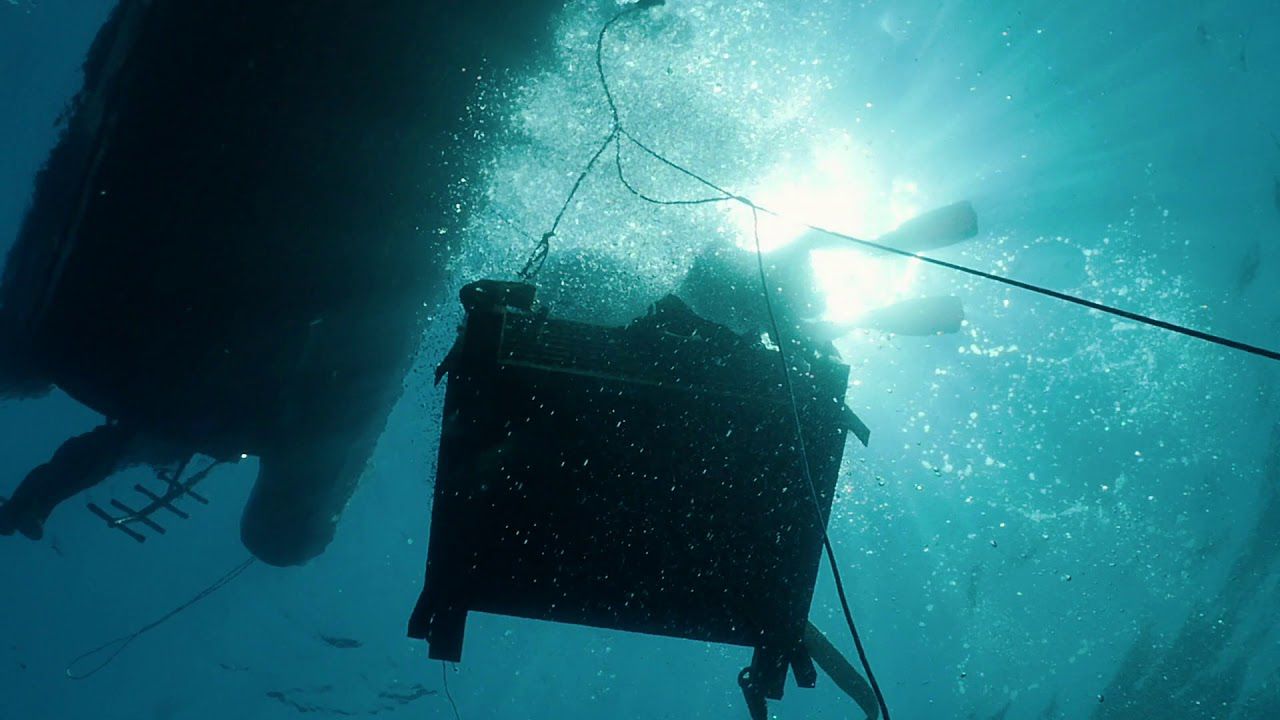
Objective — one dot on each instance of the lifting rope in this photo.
(618, 132)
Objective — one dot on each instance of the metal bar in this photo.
(165, 502)
(132, 515)
(115, 523)
(110, 521)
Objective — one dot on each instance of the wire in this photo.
(444, 677)
(1040, 290)
(725, 195)
(533, 265)
(618, 131)
(512, 224)
(622, 178)
(808, 473)
(680, 168)
(1030, 287)
(870, 245)
(119, 645)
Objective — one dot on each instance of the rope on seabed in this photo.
(117, 646)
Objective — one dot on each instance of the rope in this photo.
(1040, 290)
(512, 224)
(725, 195)
(808, 473)
(119, 645)
(728, 195)
(622, 178)
(618, 131)
(533, 265)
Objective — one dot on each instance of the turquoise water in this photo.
(1060, 514)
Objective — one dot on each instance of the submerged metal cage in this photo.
(642, 478)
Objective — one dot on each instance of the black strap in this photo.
(757, 706)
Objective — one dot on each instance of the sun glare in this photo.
(839, 188)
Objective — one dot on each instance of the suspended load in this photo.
(644, 478)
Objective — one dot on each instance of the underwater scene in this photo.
(534, 360)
